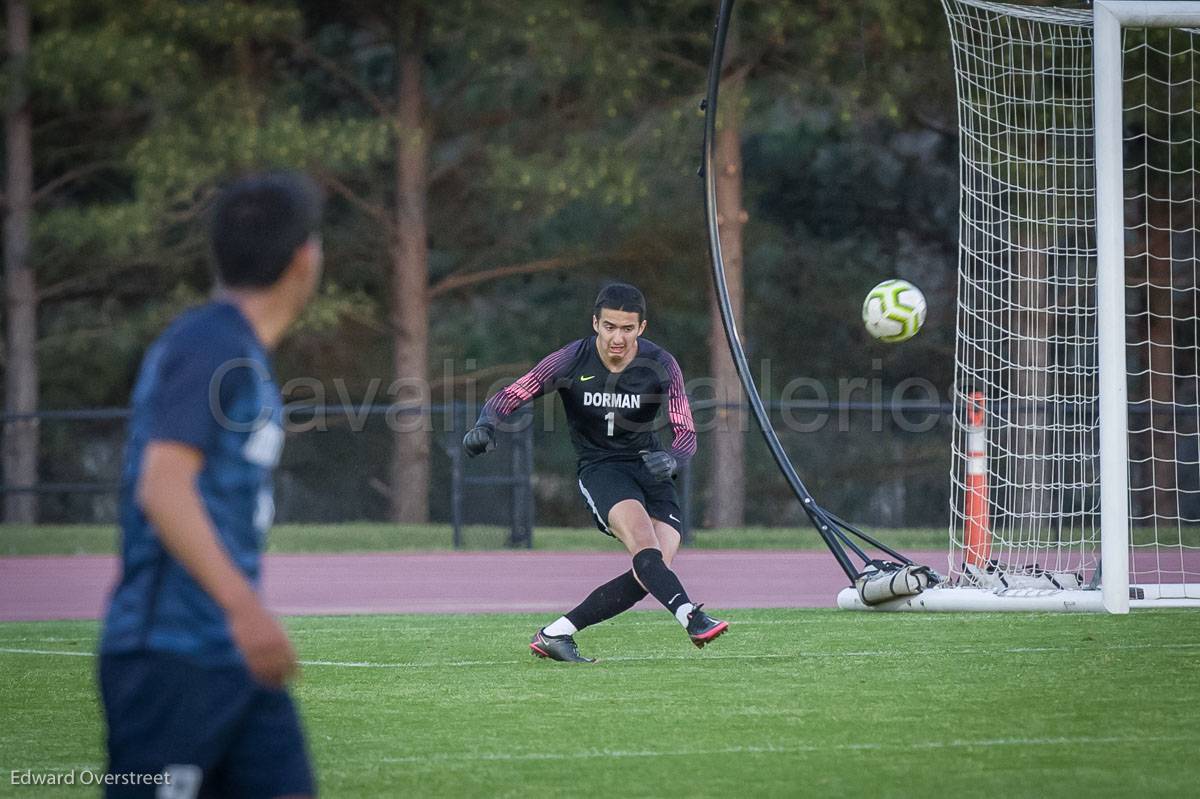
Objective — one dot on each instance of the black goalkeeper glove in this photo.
(660, 464)
(479, 439)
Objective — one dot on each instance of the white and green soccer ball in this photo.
(894, 311)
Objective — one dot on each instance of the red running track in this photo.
(75, 587)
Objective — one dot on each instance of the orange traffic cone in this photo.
(977, 545)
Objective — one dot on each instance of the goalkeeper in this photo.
(612, 386)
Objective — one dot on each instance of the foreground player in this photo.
(612, 385)
(192, 666)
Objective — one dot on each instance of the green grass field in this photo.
(82, 539)
(90, 539)
(789, 703)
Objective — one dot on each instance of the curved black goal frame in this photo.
(837, 534)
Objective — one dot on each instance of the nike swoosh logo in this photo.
(672, 599)
(672, 517)
(585, 379)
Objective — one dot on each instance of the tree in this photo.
(377, 62)
(727, 477)
(410, 271)
(21, 366)
(113, 225)
(559, 143)
(470, 97)
(784, 61)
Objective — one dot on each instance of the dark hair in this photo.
(620, 297)
(258, 224)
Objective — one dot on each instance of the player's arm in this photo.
(531, 385)
(167, 493)
(664, 464)
(182, 423)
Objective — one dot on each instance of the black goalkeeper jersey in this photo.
(612, 416)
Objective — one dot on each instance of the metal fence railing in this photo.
(884, 463)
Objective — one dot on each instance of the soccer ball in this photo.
(894, 311)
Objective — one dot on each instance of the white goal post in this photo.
(1076, 477)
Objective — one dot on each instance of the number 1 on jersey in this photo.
(611, 418)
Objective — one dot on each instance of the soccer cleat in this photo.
(702, 628)
(557, 647)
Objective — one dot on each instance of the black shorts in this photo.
(214, 731)
(605, 484)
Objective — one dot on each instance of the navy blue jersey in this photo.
(612, 415)
(207, 383)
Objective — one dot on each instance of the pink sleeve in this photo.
(531, 385)
(679, 414)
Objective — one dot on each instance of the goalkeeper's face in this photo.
(617, 333)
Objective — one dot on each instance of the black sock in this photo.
(616, 596)
(659, 579)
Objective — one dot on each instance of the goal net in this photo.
(1076, 477)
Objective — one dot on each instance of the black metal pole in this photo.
(515, 462)
(527, 485)
(456, 496)
(686, 535)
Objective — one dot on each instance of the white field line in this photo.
(652, 617)
(47, 639)
(692, 657)
(630, 619)
(801, 749)
(47, 652)
(352, 630)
